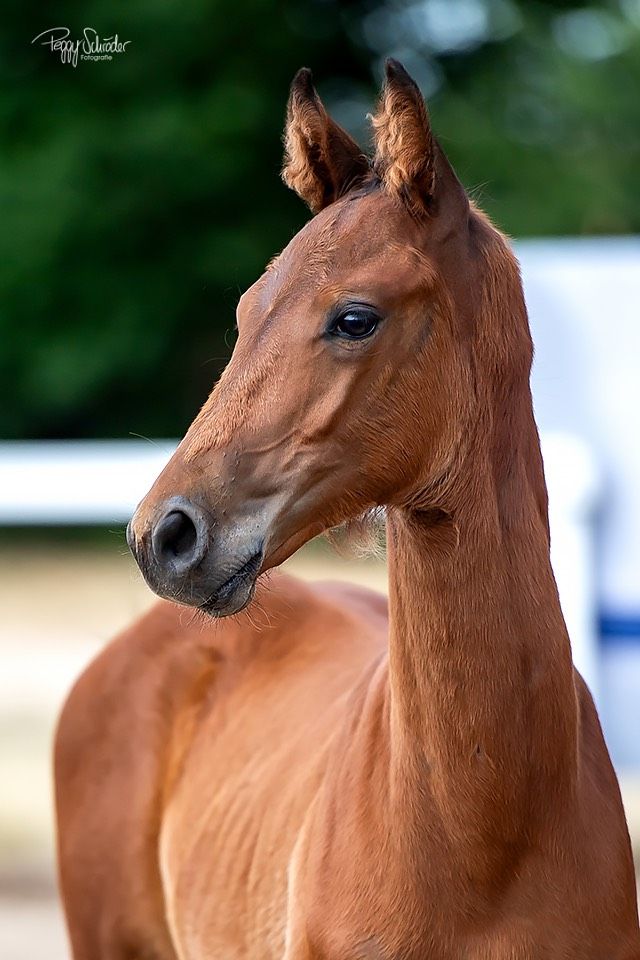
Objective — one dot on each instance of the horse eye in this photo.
(355, 324)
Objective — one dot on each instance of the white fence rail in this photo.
(101, 482)
(77, 482)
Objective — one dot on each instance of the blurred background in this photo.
(141, 195)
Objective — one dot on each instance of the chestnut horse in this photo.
(323, 779)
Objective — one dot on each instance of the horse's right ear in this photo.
(405, 157)
(409, 161)
(321, 160)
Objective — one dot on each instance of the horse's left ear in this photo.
(406, 152)
(321, 160)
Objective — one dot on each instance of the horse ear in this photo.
(405, 157)
(321, 160)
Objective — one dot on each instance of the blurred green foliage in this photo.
(140, 196)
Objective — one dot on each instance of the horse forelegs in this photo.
(108, 774)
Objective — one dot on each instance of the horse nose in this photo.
(180, 538)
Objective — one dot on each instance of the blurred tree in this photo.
(535, 101)
(139, 196)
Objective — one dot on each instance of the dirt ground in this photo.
(60, 604)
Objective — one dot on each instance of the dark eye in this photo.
(356, 323)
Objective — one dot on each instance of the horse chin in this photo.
(234, 603)
(236, 592)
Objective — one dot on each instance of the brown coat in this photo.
(316, 777)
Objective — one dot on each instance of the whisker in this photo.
(141, 436)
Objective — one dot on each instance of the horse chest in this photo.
(224, 892)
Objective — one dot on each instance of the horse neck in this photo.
(483, 705)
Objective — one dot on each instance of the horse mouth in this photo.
(236, 591)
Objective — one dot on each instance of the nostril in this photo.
(175, 539)
(178, 535)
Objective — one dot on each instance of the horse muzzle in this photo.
(185, 556)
